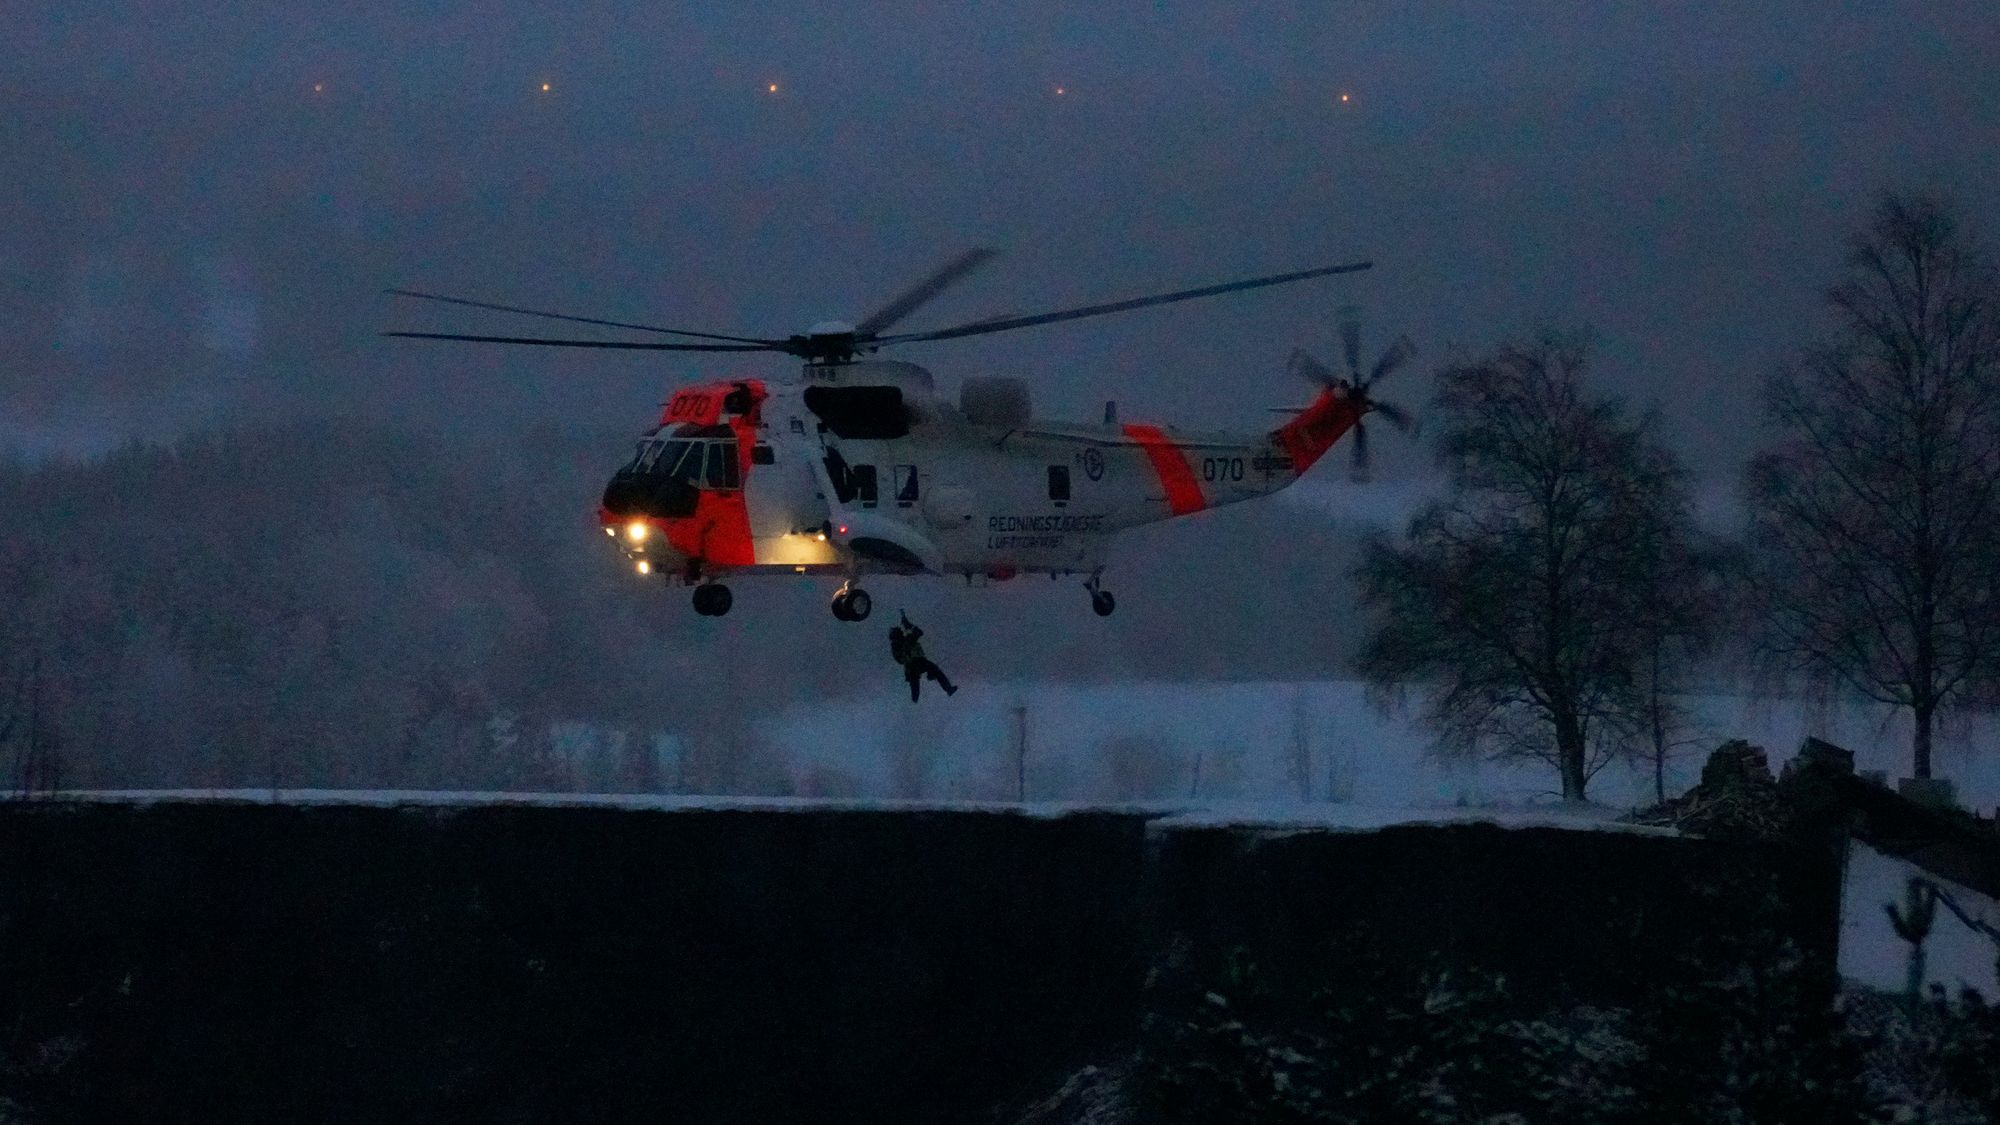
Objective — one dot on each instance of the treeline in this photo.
(315, 604)
(1558, 602)
(349, 603)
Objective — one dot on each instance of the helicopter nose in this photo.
(625, 497)
(643, 541)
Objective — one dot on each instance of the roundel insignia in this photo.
(1093, 464)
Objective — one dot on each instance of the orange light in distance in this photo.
(545, 87)
(319, 87)
(1061, 90)
(771, 89)
(1343, 99)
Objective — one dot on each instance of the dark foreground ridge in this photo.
(239, 961)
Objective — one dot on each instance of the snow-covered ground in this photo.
(1163, 815)
(1871, 953)
(1244, 735)
(1370, 770)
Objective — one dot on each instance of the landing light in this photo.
(645, 567)
(612, 532)
(636, 531)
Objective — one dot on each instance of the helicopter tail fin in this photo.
(1309, 434)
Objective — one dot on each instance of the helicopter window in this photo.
(682, 462)
(862, 479)
(860, 412)
(665, 461)
(721, 465)
(647, 455)
(906, 485)
(762, 455)
(1059, 484)
(838, 473)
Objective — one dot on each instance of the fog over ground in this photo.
(203, 202)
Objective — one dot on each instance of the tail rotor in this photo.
(1356, 387)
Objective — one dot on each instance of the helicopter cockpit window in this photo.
(673, 464)
(762, 455)
(647, 456)
(663, 458)
(868, 413)
(1059, 484)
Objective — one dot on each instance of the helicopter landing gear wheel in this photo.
(712, 599)
(852, 604)
(1101, 601)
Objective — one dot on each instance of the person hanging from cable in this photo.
(906, 650)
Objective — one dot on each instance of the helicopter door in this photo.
(722, 472)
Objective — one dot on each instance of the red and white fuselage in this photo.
(861, 468)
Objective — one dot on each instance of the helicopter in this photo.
(858, 467)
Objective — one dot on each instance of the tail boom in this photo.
(1307, 437)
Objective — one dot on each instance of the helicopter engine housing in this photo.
(996, 400)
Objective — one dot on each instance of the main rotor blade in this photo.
(981, 327)
(1398, 354)
(1358, 470)
(1306, 367)
(1350, 339)
(626, 345)
(565, 316)
(944, 277)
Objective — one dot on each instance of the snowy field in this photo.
(1245, 735)
(1870, 951)
(1369, 770)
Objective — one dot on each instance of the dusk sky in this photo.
(204, 201)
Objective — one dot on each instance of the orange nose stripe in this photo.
(1176, 475)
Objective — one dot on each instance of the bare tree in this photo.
(38, 761)
(1516, 602)
(1299, 747)
(1685, 596)
(1217, 770)
(20, 660)
(1020, 752)
(1876, 515)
